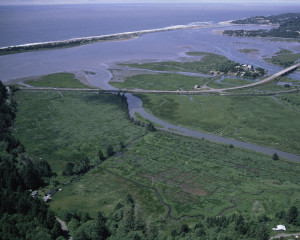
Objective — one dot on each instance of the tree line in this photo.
(128, 221)
(288, 26)
(21, 216)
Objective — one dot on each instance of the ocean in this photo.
(32, 24)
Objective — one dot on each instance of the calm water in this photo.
(29, 24)
(20, 25)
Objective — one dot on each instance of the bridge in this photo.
(268, 79)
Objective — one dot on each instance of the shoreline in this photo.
(93, 39)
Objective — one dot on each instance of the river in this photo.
(159, 46)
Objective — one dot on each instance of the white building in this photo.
(279, 228)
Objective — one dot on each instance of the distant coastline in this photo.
(88, 40)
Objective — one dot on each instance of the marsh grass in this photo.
(260, 119)
(237, 82)
(284, 60)
(59, 80)
(199, 177)
(69, 128)
(162, 81)
(207, 63)
(192, 176)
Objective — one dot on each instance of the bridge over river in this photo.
(135, 106)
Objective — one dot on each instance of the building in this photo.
(49, 195)
(279, 228)
(34, 193)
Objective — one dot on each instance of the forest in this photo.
(21, 215)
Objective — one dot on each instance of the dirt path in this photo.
(285, 235)
(63, 226)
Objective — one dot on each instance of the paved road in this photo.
(268, 79)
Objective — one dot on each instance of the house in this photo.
(279, 228)
(34, 194)
(49, 195)
(46, 198)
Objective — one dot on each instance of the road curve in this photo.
(135, 106)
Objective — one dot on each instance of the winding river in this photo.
(135, 106)
(159, 46)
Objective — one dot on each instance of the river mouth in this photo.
(100, 58)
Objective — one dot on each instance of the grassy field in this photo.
(60, 80)
(249, 50)
(145, 121)
(77, 125)
(193, 176)
(260, 120)
(100, 190)
(205, 65)
(237, 82)
(284, 60)
(272, 86)
(162, 81)
(291, 100)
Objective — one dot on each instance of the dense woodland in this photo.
(128, 221)
(288, 26)
(21, 215)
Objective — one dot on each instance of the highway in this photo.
(212, 90)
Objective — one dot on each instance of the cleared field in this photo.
(260, 120)
(162, 81)
(69, 127)
(60, 80)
